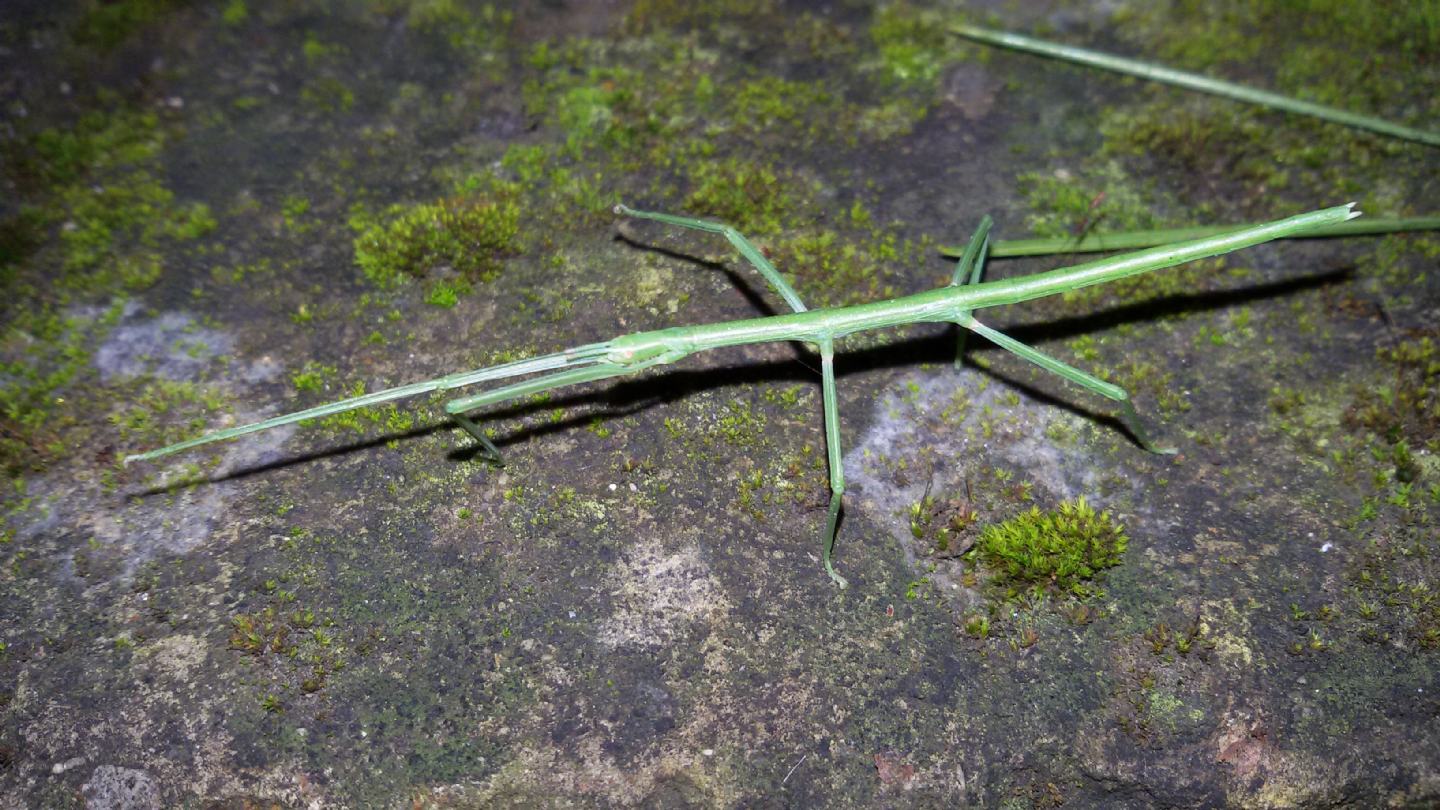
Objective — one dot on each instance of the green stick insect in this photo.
(953, 303)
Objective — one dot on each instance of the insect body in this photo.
(954, 303)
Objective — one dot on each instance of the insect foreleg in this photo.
(742, 244)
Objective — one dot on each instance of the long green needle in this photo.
(1135, 240)
(1193, 81)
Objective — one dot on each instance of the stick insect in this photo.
(953, 303)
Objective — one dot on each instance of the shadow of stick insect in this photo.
(953, 303)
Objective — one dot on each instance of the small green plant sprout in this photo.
(977, 626)
(954, 303)
(942, 521)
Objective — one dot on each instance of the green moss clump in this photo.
(586, 115)
(313, 378)
(1407, 410)
(144, 418)
(100, 181)
(444, 294)
(327, 95)
(767, 102)
(99, 142)
(235, 13)
(477, 32)
(912, 42)
(106, 25)
(750, 196)
(741, 425)
(104, 221)
(1103, 199)
(468, 236)
(1196, 139)
(648, 16)
(97, 187)
(833, 270)
(1059, 551)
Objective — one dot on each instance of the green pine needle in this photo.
(1193, 81)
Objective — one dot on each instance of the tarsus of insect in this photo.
(953, 303)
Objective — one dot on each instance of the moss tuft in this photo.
(750, 196)
(1105, 199)
(1409, 408)
(468, 236)
(1058, 551)
(913, 44)
(105, 25)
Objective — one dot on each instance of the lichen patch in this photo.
(170, 346)
(659, 593)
